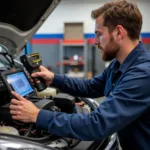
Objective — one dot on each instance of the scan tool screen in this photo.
(20, 83)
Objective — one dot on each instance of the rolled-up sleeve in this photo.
(125, 104)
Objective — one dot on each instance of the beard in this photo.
(110, 51)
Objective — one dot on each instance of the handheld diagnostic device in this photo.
(17, 80)
(32, 63)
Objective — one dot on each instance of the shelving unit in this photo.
(80, 63)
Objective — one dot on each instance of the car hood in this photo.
(19, 21)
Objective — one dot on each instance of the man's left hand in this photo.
(22, 109)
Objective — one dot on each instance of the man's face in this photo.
(105, 41)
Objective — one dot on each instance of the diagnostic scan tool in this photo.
(17, 80)
(32, 63)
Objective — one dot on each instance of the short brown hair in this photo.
(121, 13)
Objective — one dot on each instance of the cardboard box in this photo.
(73, 31)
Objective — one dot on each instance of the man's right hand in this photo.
(45, 74)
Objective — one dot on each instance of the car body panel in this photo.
(20, 20)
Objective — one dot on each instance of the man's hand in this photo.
(23, 110)
(45, 74)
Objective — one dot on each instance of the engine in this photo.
(60, 102)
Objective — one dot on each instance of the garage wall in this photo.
(80, 11)
(46, 41)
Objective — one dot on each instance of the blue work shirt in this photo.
(126, 109)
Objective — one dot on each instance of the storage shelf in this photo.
(71, 63)
(82, 44)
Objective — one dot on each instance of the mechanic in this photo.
(125, 82)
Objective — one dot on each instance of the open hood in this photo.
(20, 20)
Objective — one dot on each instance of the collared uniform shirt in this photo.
(126, 109)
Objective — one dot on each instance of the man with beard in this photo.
(126, 109)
